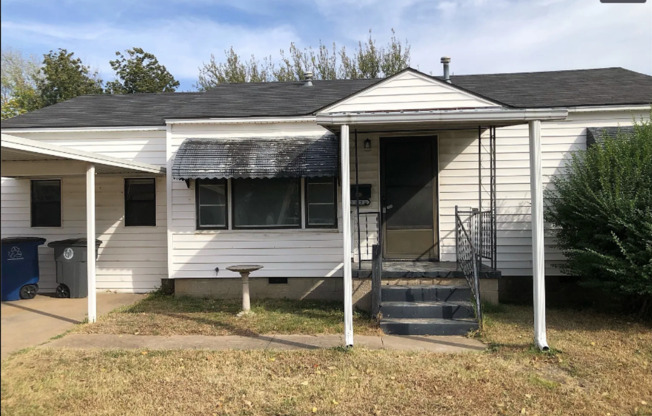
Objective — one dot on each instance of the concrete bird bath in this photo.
(245, 270)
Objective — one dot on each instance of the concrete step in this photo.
(424, 293)
(435, 309)
(432, 326)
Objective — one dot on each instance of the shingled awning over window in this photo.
(282, 157)
(593, 134)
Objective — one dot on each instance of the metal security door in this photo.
(408, 187)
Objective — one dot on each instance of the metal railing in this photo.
(469, 249)
(368, 232)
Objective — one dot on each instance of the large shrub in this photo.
(601, 206)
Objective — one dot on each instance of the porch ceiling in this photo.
(437, 119)
(25, 157)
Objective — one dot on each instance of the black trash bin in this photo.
(70, 257)
(20, 273)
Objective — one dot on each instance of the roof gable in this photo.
(409, 90)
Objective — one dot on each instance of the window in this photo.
(211, 203)
(266, 203)
(140, 202)
(321, 207)
(46, 203)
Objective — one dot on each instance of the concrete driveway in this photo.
(31, 322)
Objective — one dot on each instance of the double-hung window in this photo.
(321, 203)
(46, 203)
(211, 199)
(140, 202)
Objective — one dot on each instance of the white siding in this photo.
(130, 259)
(283, 253)
(409, 91)
(140, 146)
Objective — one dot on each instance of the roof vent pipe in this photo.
(307, 78)
(446, 60)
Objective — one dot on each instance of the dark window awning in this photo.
(280, 157)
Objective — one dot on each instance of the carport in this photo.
(26, 158)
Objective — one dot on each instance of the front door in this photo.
(408, 194)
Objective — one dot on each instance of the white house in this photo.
(187, 184)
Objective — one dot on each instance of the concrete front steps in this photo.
(427, 310)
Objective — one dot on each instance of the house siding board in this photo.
(129, 258)
(138, 146)
(409, 91)
(283, 253)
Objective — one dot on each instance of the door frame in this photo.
(435, 193)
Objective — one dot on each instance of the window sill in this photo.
(271, 231)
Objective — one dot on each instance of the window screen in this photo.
(140, 202)
(321, 209)
(266, 203)
(211, 203)
(46, 203)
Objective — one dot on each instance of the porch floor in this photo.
(416, 269)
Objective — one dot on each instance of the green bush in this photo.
(601, 207)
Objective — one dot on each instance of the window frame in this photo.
(306, 203)
(198, 225)
(126, 203)
(259, 227)
(33, 204)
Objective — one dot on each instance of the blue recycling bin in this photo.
(20, 272)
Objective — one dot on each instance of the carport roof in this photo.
(19, 149)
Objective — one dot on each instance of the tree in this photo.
(602, 208)
(368, 61)
(19, 75)
(64, 77)
(140, 72)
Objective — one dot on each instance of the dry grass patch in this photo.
(600, 365)
(160, 314)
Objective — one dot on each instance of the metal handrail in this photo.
(469, 257)
(368, 234)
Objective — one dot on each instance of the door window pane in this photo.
(140, 202)
(46, 203)
(266, 203)
(211, 203)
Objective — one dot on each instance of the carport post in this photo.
(538, 261)
(90, 241)
(346, 235)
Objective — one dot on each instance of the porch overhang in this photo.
(439, 119)
(23, 157)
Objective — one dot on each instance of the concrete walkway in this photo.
(448, 344)
(34, 322)
(30, 322)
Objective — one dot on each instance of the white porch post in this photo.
(90, 242)
(538, 263)
(346, 235)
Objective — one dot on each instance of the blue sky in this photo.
(481, 36)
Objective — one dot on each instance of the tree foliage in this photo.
(19, 75)
(602, 206)
(368, 61)
(140, 72)
(65, 77)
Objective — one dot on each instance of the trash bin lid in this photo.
(18, 240)
(72, 242)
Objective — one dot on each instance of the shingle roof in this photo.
(587, 87)
(256, 158)
(591, 87)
